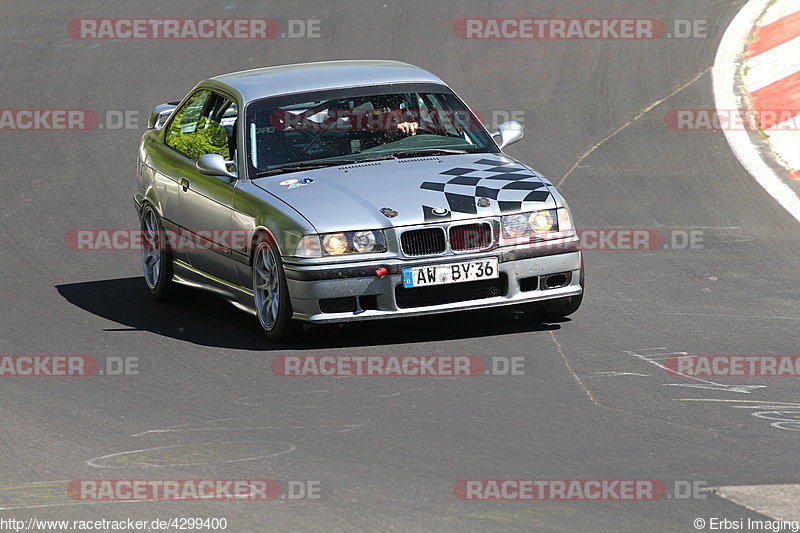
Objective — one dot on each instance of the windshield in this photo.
(356, 124)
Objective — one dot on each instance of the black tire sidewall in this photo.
(164, 284)
(284, 325)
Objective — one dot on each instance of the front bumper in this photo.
(383, 297)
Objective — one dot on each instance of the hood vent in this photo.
(418, 159)
(359, 165)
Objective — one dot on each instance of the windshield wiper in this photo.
(305, 165)
(427, 151)
(311, 165)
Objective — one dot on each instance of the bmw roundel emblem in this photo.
(439, 211)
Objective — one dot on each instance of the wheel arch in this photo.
(258, 233)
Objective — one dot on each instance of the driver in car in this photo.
(395, 115)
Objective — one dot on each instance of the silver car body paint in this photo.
(465, 188)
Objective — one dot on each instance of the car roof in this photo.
(306, 77)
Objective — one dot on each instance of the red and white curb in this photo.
(763, 42)
(771, 81)
(771, 75)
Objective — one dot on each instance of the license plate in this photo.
(424, 276)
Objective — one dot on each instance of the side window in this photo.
(204, 125)
(183, 127)
(221, 126)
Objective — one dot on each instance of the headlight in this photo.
(364, 241)
(515, 225)
(528, 224)
(543, 221)
(342, 243)
(334, 243)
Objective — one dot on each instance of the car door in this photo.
(168, 168)
(206, 127)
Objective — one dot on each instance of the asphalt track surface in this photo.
(388, 451)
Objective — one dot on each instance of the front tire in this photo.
(271, 294)
(156, 257)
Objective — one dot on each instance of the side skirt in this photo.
(190, 276)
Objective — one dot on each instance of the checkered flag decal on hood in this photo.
(513, 187)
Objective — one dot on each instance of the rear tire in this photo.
(271, 294)
(156, 257)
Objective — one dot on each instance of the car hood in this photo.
(403, 192)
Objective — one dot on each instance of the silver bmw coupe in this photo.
(348, 190)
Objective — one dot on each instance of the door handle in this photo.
(184, 184)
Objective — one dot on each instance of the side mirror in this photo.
(215, 165)
(509, 132)
(160, 114)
